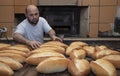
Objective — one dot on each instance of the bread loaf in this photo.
(102, 67)
(4, 45)
(17, 57)
(79, 54)
(114, 59)
(58, 43)
(69, 49)
(53, 65)
(49, 48)
(36, 58)
(79, 43)
(13, 64)
(100, 48)
(23, 49)
(38, 51)
(5, 70)
(79, 67)
(14, 52)
(21, 45)
(90, 51)
(105, 52)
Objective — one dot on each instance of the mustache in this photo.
(33, 21)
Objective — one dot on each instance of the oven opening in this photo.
(63, 19)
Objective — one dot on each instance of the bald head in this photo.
(30, 8)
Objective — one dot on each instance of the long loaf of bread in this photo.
(13, 64)
(36, 58)
(53, 65)
(5, 70)
(114, 59)
(102, 67)
(17, 57)
(79, 67)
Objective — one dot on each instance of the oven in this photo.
(63, 19)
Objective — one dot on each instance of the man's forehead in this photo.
(31, 8)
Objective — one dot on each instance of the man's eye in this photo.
(30, 15)
(36, 14)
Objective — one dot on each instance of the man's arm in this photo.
(52, 34)
(21, 39)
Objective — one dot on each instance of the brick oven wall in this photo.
(101, 12)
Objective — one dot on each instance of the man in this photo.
(31, 30)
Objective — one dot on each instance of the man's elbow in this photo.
(14, 36)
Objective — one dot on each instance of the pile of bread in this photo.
(12, 58)
(55, 56)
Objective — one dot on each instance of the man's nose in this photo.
(34, 16)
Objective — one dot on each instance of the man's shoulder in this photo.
(22, 23)
(41, 18)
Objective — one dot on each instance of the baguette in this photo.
(100, 48)
(78, 43)
(58, 43)
(105, 52)
(53, 65)
(54, 48)
(21, 45)
(102, 67)
(14, 52)
(114, 59)
(90, 51)
(23, 49)
(79, 67)
(69, 49)
(13, 64)
(4, 45)
(5, 70)
(36, 58)
(17, 57)
(80, 54)
(38, 51)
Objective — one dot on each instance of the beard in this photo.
(33, 21)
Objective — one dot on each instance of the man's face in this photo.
(33, 16)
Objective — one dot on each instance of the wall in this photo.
(8, 10)
(7, 14)
(101, 13)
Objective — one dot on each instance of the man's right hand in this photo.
(33, 44)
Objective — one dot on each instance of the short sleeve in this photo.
(46, 26)
(20, 29)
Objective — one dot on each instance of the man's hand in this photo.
(34, 44)
(57, 38)
(53, 35)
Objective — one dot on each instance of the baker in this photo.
(31, 30)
